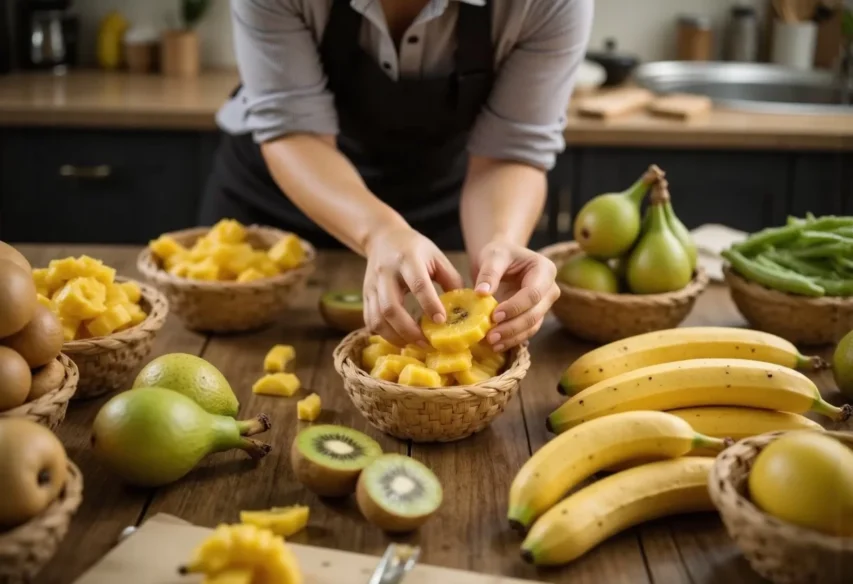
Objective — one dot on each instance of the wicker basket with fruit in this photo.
(53, 386)
(228, 278)
(626, 274)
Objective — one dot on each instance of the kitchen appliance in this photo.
(617, 66)
(742, 41)
(48, 38)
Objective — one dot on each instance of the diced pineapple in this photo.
(262, 263)
(59, 272)
(485, 356)
(92, 268)
(116, 295)
(287, 253)
(391, 348)
(137, 315)
(278, 384)
(180, 270)
(371, 353)
(165, 247)
(282, 521)
(444, 363)
(180, 257)
(45, 301)
(132, 291)
(228, 231)
(278, 357)
(388, 367)
(418, 376)
(81, 298)
(112, 319)
(205, 270)
(202, 248)
(415, 352)
(476, 374)
(308, 409)
(250, 275)
(238, 259)
(69, 327)
(40, 280)
(235, 576)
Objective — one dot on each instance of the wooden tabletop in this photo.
(469, 532)
(96, 99)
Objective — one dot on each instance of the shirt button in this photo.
(386, 65)
(413, 40)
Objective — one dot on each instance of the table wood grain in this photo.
(469, 532)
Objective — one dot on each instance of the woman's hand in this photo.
(401, 260)
(528, 278)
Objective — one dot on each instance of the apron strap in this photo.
(475, 51)
(340, 38)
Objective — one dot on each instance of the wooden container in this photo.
(180, 54)
(695, 39)
(49, 410)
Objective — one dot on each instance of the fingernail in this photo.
(498, 348)
(438, 318)
(499, 316)
(485, 288)
(494, 338)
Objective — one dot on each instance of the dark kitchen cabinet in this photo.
(818, 183)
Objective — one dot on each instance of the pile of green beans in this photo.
(811, 256)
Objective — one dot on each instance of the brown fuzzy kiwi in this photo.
(46, 379)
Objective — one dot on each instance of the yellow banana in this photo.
(680, 344)
(594, 446)
(697, 382)
(615, 503)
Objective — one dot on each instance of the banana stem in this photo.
(812, 363)
(700, 441)
(254, 448)
(827, 409)
(257, 425)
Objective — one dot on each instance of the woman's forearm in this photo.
(501, 200)
(324, 185)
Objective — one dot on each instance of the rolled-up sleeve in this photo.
(284, 86)
(525, 115)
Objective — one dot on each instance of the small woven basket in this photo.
(602, 317)
(779, 551)
(426, 415)
(228, 307)
(25, 550)
(106, 363)
(799, 319)
(49, 410)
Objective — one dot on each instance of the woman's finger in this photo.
(492, 270)
(417, 279)
(392, 311)
(518, 339)
(537, 286)
(516, 326)
(446, 275)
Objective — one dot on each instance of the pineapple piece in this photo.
(116, 295)
(92, 268)
(469, 318)
(444, 363)
(180, 270)
(132, 291)
(165, 247)
(282, 521)
(278, 384)
(485, 356)
(388, 367)
(287, 253)
(476, 374)
(59, 272)
(262, 263)
(182, 257)
(45, 301)
(69, 327)
(371, 353)
(233, 258)
(81, 298)
(250, 275)
(278, 357)
(308, 409)
(235, 576)
(202, 249)
(388, 346)
(206, 270)
(113, 318)
(40, 281)
(418, 376)
(228, 231)
(137, 315)
(415, 352)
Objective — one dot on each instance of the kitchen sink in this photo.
(751, 87)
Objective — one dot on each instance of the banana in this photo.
(594, 446)
(679, 344)
(615, 503)
(697, 382)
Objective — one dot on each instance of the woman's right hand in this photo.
(401, 260)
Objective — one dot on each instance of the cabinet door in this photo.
(818, 184)
(85, 186)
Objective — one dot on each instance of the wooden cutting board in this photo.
(153, 554)
(615, 103)
(681, 106)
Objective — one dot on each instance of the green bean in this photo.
(844, 231)
(836, 287)
(792, 220)
(772, 278)
(773, 236)
(826, 250)
(802, 267)
(812, 237)
(843, 265)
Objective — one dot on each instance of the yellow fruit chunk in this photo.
(137, 315)
(371, 353)
(44, 301)
(476, 374)
(59, 272)
(180, 269)
(287, 253)
(92, 268)
(132, 291)
(262, 263)
(282, 521)
(202, 249)
(182, 257)
(278, 357)
(485, 356)
(415, 352)
(233, 259)
(278, 384)
(116, 294)
(308, 409)
(165, 246)
(250, 275)
(390, 347)
(206, 270)
(417, 376)
(444, 363)
(81, 298)
(113, 318)
(235, 576)
(389, 367)
(228, 231)
(40, 281)
(469, 318)
(69, 327)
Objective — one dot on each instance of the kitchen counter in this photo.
(94, 99)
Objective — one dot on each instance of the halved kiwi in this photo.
(327, 459)
(398, 494)
(343, 310)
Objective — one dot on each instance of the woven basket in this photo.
(26, 549)
(107, 363)
(602, 317)
(799, 319)
(49, 410)
(426, 415)
(228, 307)
(781, 552)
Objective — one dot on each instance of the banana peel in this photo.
(110, 39)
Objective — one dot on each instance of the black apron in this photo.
(407, 138)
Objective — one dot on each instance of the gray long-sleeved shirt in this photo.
(539, 45)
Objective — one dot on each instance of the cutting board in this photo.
(154, 552)
(615, 103)
(681, 106)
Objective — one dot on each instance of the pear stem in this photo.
(257, 425)
(254, 448)
(640, 189)
(660, 193)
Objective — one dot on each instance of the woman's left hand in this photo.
(529, 277)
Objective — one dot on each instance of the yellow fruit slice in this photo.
(418, 376)
(277, 384)
(45, 301)
(445, 363)
(282, 521)
(389, 367)
(415, 352)
(206, 270)
(308, 409)
(278, 357)
(227, 231)
(69, 327)
(469, 318)
(233, 258)
(137, 315)
(287, 253)
(116, 295)
(81, 298)
(165, 246)
(476, 374)
(91, 268)
(371, 353)
(40, 281)
(389, 346)
(113, 318)
(485, 356)
(250, 275)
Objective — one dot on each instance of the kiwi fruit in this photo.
(398, 494)
(327, 459)
(343, 310)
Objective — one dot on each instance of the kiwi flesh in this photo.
(327, 459)
(343, 310)
(398, 494)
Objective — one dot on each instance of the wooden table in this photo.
(469, 532)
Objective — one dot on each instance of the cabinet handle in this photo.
(98, 172)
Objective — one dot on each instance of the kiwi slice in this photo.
(397, 493)
(327, 459)
(343, 310)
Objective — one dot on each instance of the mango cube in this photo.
(444, 363)
(418, 376)
(44, 301)
(40, 281)
(69, 327)
(476, 374)
(415, 352)
(165, 247)
(278, 384)
(205, 270)
(116, 295)
(287, 253)
(113, 318)
(131, 289)
(278, 357)
(81, 298)
(388, 367)
(282, 521)
(250, 275)
(228, 231)
(308, 409)
(262, 263)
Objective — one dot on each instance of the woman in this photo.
(399, 127)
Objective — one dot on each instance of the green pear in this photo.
(154, 436)
(193, 377)
(682, 233)
(587, 273)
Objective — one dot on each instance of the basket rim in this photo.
(755, 516)
(61, 394)
(148, 267)
(754, 289)
(696, 286)
(349, 370)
